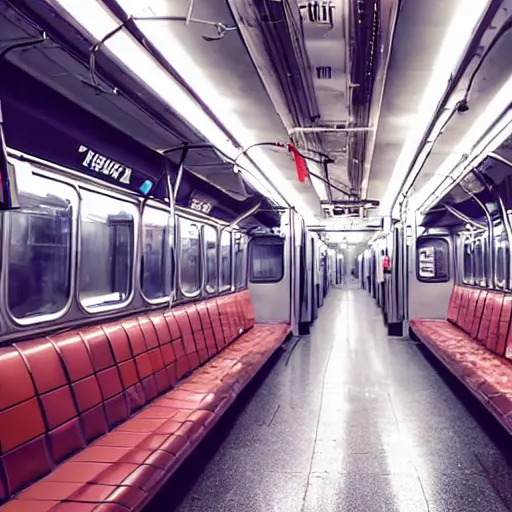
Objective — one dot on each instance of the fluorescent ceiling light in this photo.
(441, 183)
(98, 21)
(319, 186)
(418, 164)
(485, 135)
(460, 31)
(440, 124)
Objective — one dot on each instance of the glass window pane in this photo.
(500, 266)
(433, 260)
(39, 277)
(267, 260)
(240, 268)
(210, 235)
(156, 258)
(486, 264)
(502, 261)
(468, 262)
(107, 249)
(479, 262)
(190, 257)
(225, 263)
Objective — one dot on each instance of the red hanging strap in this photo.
(300, 164)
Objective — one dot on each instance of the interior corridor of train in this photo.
(255, 255)
(348, 418)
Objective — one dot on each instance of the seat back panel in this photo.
(454, 304)
(61, 393)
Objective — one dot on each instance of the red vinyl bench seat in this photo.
(98, 419)
(475, 343)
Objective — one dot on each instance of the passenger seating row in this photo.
(475, 343)
(98, 419)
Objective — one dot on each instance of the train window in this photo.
(225, 261)
(40, 249)
(107, 250)
(433, 260)
(266, 260)
(240, 272)
(468, 262)
(210, 241)
(502, 263)
(479, 258)
(190, 258)
(156, 256)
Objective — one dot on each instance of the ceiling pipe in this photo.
(322, 129)
(345, 5)
(243, 216)
(498, 157)
(362, 202)
(321, 229)
(23, 44)
(388, 22)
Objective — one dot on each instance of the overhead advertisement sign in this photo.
(201, 202)
(61, 145)
(103, 165)
(105, 168)
(40, 122)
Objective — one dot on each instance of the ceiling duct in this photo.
(274, 37)
(317, 60)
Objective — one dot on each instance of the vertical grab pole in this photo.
(8, 190)
(172, 230)
(490, 231)
(3, 156)
(181, 169)
(506, 221)
(292, 263)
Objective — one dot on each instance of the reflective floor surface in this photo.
(347, 419)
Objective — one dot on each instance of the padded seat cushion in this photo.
(84, 414)
(122, 469)
(477, 363)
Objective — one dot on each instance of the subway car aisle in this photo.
(348, 419)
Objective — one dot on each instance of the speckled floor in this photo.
(348, 419)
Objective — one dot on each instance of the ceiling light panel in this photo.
(161, 34)
(485, 135)
(319, 185)
(460, 32)
(98, 21)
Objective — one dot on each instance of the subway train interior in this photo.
(255, 255)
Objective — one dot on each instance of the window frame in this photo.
(468, 243)
(137, 222)
(22, 170)
(238, 235)
(170, 259)
(433, 280)
(214, 229)
(501, 241)
(179, 253)
(225, 287)
(250, 268)
(481, 242)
